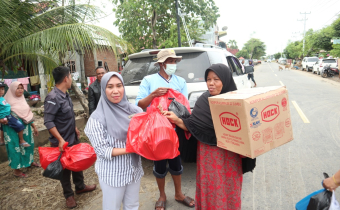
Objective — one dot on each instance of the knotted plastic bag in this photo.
(167, 99)
(75, 158)
(54, 170)
(49, 154)
(179, 109)
(152, 136)
(322, 200)
(79, 157)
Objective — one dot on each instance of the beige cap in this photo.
(165, 54)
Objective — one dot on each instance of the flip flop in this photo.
(160, 204)
(22, 175)
(186, 202)
(25, 144)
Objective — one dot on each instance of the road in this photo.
(286, 174)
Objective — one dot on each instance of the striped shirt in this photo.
(115, 171)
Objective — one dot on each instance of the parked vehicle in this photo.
(255, 61)
(283, 61)
(195, 60)
(259, 61)
(319, 66)
(269, 60)
(327, 71)
(308, 62)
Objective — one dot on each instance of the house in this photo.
(233, 51)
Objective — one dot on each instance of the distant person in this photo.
(119, 172)
(94, 89)
(251, 74)
(59, 119)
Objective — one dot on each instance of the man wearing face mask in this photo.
(153, 86)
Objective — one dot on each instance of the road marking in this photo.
(282, 83)
(275, 75)
(302, 115)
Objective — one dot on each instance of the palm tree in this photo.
(232, 43)
(29, 33)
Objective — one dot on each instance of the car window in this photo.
(192, 68)
(135, 70)
(329, 61)
(217, 57)
(313, 59)
(236, 65)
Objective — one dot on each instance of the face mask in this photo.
(170, 69)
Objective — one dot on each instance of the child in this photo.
(7, 118)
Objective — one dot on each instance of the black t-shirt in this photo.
(59, 113)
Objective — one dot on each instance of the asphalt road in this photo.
(286, 174)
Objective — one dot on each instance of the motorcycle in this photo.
(327, 72)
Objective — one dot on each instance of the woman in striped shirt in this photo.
(119, 172)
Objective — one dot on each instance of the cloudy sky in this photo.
(273, 22)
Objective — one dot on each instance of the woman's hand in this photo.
(329, 184)
(171, 116)
(35, 131)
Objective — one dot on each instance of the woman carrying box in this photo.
(219, 172)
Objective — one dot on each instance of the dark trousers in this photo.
(175, 167)
(251, 76)
(78, 181)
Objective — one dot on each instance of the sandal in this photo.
(36, 164)
(25, 144)
(160, 204)
(186, 202)
(22, 175)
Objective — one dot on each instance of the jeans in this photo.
(175, 167)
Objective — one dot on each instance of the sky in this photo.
(273, 22)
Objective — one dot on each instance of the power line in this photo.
(331, 18)
(304, 29)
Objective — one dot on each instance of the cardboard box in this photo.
(252, 121)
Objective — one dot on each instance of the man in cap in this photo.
(153, 86)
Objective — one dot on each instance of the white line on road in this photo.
(282, 83)
(302, 115)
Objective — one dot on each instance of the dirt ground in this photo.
(36, 191)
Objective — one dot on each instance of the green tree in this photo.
(242, 53)
(232, 44)
(293, 50)
(195, 32)
(277, 55)
(255, 47)
(147, 23)
(336, 33)
(31, 33)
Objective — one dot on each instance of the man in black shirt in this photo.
(60, 121)
(94, 89)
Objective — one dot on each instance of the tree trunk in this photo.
(81, 97)
(153, 25)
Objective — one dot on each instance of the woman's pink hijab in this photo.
(18, 104)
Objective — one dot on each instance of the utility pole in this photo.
(178, 26)
(304, 30)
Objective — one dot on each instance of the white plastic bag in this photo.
(334, 203)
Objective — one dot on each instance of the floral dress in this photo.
(19, 156)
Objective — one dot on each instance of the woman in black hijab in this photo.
(219, 172)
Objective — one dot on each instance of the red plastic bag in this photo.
(79, 157)
(49, 154)
(152, 136)
(76, 158)
(164, 100)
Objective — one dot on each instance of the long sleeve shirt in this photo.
(115, 171)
